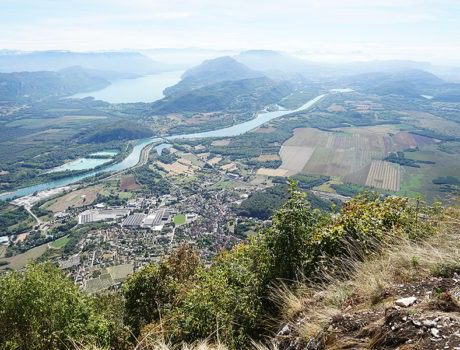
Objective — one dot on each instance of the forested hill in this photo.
(36, 85)
(247, 95)
(250, 291)
(210, 72)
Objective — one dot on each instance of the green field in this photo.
(59, 243)
(125, 195)
(179, 219)
(17, 262)
(420, 180)
(222, 184)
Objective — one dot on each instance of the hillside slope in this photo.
(407, 297)
(314, 278)
(246, 95)
(35, 85)
(210, 72)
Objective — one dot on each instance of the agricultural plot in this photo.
(264, 130)
(214, 160)
(191, 159)
(128, 183)
(109, 277)
(295, 157)
(384, 175)
(59, 243)
(229, 167)
(19, 261)
(181, 166)
(354, 155)
(272, 172)
(267, 157)
(433, 122)
(220, 143)
(77, 198)
(120, 272)
(416, 181)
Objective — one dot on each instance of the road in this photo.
(29, 210)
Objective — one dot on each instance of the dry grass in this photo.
(309, 307)
(202, 345)
(160, 345)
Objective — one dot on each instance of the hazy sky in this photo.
(330, 30)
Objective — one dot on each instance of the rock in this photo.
(435, 332)
(416, 323)
(455, 295)
(429, 323)
(406, 302)
(285, 330)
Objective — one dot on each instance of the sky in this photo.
(319, 30)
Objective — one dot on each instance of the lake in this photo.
(133, 158)
(80, 164)
(144, 89)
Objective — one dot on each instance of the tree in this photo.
(224, 303)
(41, 309)
(288, 236)
(152, 291)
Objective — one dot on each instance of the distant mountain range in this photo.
(223, 83)
(272, 61)
(408, 83)
(121, 62)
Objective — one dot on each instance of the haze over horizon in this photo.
(328, 30)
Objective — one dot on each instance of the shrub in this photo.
(41, 309)
(224, 303)
(153, 290)
(288, 237)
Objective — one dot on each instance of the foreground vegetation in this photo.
(181, 300)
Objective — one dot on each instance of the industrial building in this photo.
(97, 215)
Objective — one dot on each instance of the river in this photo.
(133, 158)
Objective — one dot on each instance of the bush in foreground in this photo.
(41, 309)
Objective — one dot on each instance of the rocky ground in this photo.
(419, 315)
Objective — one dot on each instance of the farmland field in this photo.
(267, 157)
(17, 262)
(59, 243)
(272, 172)
(221, 143)
(2, 251)
(384, 175)
(420, 180)
(353, 155)
(128, 182)
(177, 168)
(295, 157)
(433, 122)
(77, 198)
